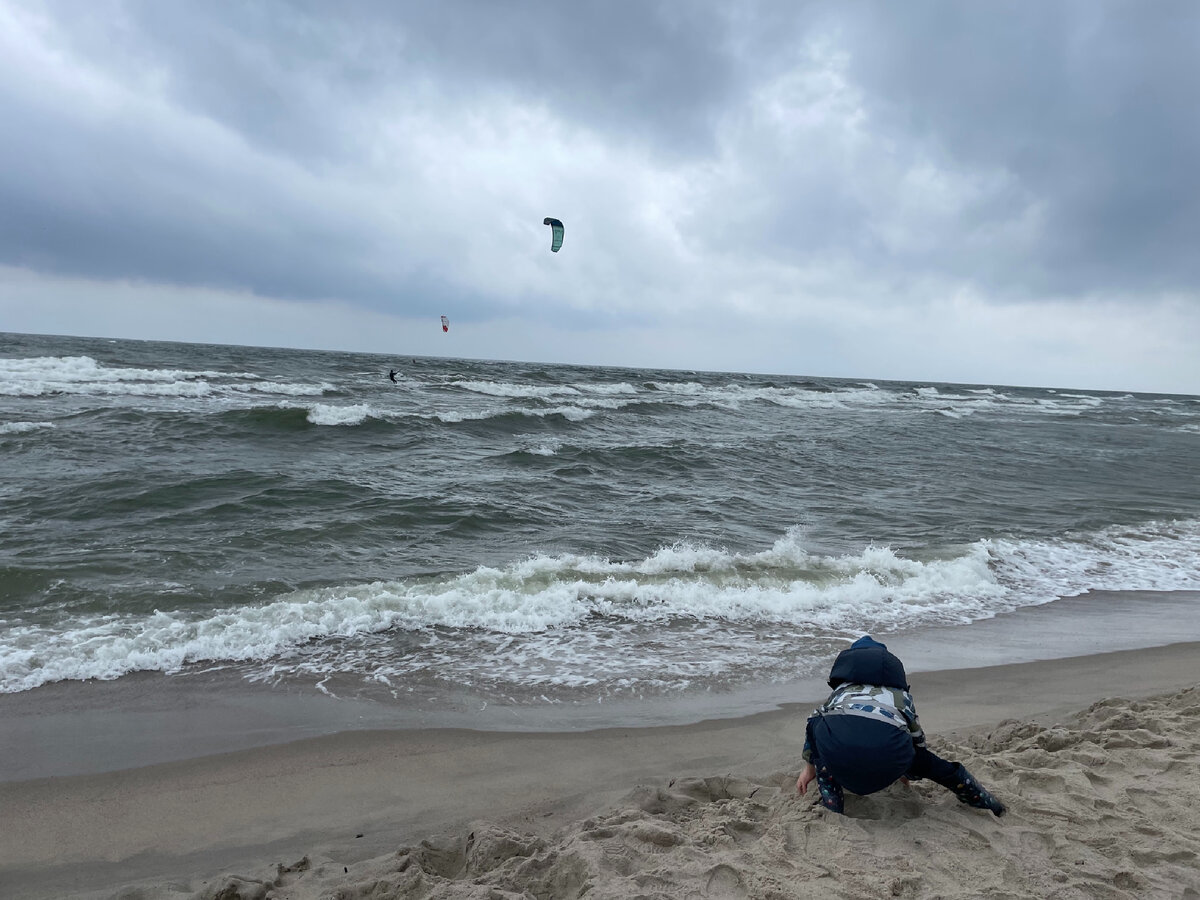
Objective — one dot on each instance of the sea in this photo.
(471, 533)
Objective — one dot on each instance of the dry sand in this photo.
(1103, 802)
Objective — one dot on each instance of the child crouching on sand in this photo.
(866, 735)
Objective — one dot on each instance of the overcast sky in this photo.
(983, 192)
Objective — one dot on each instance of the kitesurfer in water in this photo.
(392, 375)
(866, 734)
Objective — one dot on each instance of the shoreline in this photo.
(358, 795)
(147, 718)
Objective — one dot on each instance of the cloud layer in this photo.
(977, 192)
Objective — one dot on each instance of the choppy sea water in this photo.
(544, 534)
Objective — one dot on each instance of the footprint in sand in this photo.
(724, 883)
(618, 858)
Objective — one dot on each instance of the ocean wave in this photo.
(574, 400)
(556, 391)
(1154, 556)
(282, 387)
(288, 414)
(528, 598)
(323, 414)
(509, 415)
(282, 417)
(687, 394)
(732, 396)
(23, 427)
(520, 391)
(83, 375)
(867, 396)
(584, 611)
(549, 447)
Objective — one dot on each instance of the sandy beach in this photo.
(1094, 755)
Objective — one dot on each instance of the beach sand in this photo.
(1096, 757)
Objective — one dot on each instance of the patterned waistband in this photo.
(868, 711)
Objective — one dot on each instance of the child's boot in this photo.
(831, 792)
(969, 791)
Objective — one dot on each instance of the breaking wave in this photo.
(562, 620)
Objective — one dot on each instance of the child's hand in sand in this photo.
(809, 773)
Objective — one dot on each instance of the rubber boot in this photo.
(831, 792)
(969, 791)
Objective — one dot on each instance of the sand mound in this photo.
(1106, 804)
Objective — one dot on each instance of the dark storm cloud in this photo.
(100, 203)
(1030, 150)
(284, 72)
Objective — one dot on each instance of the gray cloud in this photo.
(275, 71)
(1089, 107)
(709, 158)
(132, 196)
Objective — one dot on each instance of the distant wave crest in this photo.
(23, 427)
(45, 375)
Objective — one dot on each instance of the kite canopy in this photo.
(445, 324)
(556, 232)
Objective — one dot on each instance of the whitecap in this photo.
(323, 414)
(572, 619)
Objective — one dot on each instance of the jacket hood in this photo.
(867, 661)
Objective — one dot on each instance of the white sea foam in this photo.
(575, 402)
(324, 414)
(619, 389)
(504, 389)
(285, 388)
(45, 375)
(571, 413)
(1157, 556)
(547, 391)
(23, 427)
(581, 610)
(528, 598)
(953, 403)
(452, 416)
(732, 396)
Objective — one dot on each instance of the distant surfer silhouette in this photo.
(392, 375)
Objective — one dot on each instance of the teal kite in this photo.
(556, 232)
